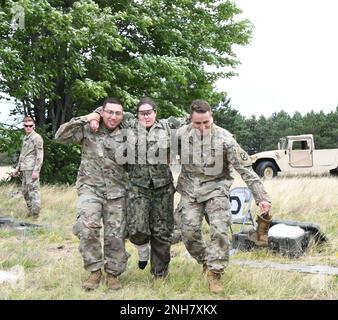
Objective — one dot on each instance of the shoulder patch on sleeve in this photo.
(243, 157)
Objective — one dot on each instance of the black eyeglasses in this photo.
(28, 125)
(144, 113)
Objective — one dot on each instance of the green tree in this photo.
(332, 124)
(278, 125)
(229, 118)
(72, 54)
(259, 133)
(323, 127)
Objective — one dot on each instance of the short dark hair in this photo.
(199, 106)
(28, 119)
(113, 100)
(146, 100)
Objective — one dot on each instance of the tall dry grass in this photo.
(53, 266)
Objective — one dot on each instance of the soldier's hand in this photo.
(265, 207)
(35, 175)
(15, 173)
(94, 121)
(94, 125)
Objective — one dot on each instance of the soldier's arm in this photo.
(243, 165)
(175, 123)
(17, 168)
(72, 131)
(38, 145)
(128, 121)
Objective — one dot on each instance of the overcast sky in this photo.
(5, 108)
(292, 61)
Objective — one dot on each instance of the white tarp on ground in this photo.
(284, 231)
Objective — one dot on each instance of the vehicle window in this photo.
(300, 145)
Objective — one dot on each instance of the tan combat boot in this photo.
(93, 281)
(113, 282)
(214, 282)
(260, 235)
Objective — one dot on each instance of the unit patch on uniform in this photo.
(244, 156)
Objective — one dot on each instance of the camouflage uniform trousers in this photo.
(91, 209)
(150, 218)
(31, 192)
(215, 254)
(176, 235)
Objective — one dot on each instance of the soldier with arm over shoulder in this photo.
(101, 193)
(208, 156)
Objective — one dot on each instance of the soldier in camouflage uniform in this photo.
(150, 197)
(30, 162)
(101, 193)
(208, 155)
(149, 182)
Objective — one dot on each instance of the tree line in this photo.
(262, 133)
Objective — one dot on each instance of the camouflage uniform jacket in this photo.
(152, 149)
(207, 165)
(99, 169)
(31, 155)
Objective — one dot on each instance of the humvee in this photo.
(295, 155)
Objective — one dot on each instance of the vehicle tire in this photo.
(266, 169)
(334, 172)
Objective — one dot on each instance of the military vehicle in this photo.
(296, 155)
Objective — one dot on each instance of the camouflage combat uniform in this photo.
(204, 184)
(150, 196)
(101, 195)
(31, 158)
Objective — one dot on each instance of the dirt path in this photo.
(317, 269)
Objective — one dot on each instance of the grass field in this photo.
(53, 266)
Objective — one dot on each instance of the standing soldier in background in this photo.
(101, 193)
(208, 155)
(30, 162)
